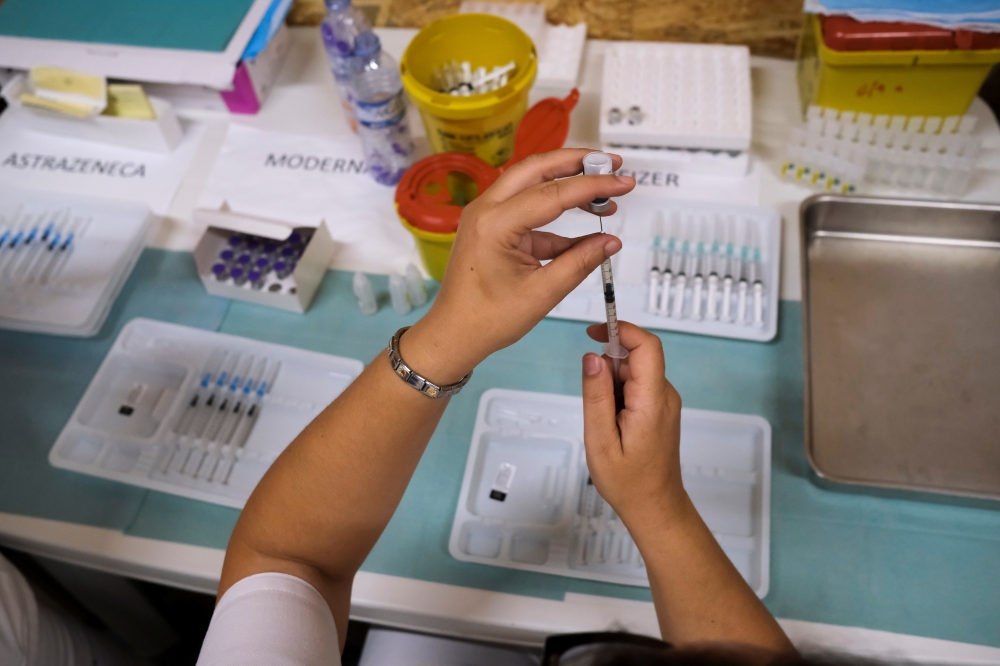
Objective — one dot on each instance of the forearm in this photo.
(325, 501)
(699, 595)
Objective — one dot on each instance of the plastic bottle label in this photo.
(381, 114)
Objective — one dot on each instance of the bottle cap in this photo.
(367, 45)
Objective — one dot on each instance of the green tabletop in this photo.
(900, 562)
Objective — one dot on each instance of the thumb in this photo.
(565, 273)
(600, 424)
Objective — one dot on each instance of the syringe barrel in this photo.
(597, 164)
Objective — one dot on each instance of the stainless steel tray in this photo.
(901, 317)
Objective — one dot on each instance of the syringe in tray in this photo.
(36, 246)
(601, 536)
(208, 436)
(699, 272)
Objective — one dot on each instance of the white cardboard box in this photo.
(295, 292)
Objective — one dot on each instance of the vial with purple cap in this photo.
(256, 279)
(239, 276)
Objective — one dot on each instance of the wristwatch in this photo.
(417, 381)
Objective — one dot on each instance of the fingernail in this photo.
(591, 364)
(611, 248)
(628, 180)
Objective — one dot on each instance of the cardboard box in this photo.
(294, 292)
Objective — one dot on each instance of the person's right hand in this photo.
(634, 455)
(496, 287)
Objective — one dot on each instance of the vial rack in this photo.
(196, 413)
(684, 248)
(63, 260)
(527, 501)
(837, 151)
(657, 95)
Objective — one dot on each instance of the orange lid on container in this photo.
(843, 33)
(543, 128)
(431, 194)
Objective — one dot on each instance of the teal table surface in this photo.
(901, 562)
(197, 25)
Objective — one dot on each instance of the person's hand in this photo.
(634, 455)
(496, 289)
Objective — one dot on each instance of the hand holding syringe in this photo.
(598, 163)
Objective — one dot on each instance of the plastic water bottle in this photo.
(380, 107)
(340, 28)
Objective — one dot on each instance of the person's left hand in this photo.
(496, 289)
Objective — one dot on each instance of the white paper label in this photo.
(49, 162)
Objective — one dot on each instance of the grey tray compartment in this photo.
(901, 335)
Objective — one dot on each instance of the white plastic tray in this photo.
(125, 427)
(685, 95)
(635, 224)
(47, 289)
(552, 521)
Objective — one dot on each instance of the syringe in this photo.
(597, 163)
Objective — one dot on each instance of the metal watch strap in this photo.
(422, 384)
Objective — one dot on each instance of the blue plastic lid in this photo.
(367, 45)
(218, 269)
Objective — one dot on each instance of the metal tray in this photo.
(901, 317)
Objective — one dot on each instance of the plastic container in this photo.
(691, 96)
(146, 418)
(431, 195)
(380, 109)
(922, 73)
(527, 501)
(482, 125)
(340, 27)
(64, 259)
(638, 223)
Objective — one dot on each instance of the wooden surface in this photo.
(768, 27)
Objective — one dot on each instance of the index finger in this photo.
(536, 169)
(543, 203)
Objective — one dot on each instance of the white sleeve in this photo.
(271, 619)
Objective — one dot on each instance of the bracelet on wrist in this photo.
(416, 380)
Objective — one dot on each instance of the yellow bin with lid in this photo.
(911, 82)
(483, 125)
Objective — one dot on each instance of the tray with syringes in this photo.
(703, 268)
(528, 502)
(196, 413)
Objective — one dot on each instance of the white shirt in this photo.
(271, 619)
